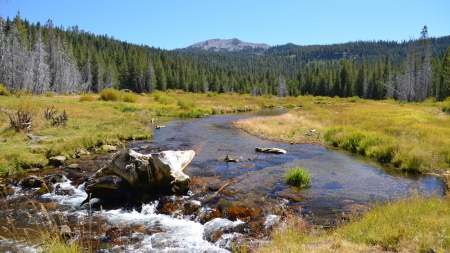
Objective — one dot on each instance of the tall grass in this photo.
(411, 224)
(298, 176)
(407, 136)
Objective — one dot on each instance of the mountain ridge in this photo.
(227, 45)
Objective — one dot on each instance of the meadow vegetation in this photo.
(111, 117)
(298, 176)
(406, 136)
(411, 224)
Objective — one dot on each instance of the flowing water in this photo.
(341, 183)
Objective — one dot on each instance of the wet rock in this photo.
(177, 206)
(64, 191)
(7, 190)
(207, 214)
(32, 182)
(46, 188)
(243, 213)
(116, 235)
(215, 228)
(271, 150)
(73, 166)
(53, 179)
(139, 174)
(57, 160)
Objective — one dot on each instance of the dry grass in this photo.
(408, 136)
(411, 224)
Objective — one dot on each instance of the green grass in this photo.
(298, 176)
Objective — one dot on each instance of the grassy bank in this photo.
(97, 119)
(411, 224)
(407, 136)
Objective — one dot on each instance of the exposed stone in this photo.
(271, 150)
(142, 174)
(32, 182)
(109, 148)
(65, 232)
(7, 190)
(57, 160)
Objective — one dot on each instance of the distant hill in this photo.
(230, 45)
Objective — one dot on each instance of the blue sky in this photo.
(171, 24)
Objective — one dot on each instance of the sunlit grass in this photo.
(94, 122)
(298, 176)
(410, 224)
(408, 136)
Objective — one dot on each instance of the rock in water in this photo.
(141, 174)
(271, 150)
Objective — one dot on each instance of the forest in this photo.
(42, 58)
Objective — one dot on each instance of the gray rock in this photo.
(57, 160)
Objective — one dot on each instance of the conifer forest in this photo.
(42, 58)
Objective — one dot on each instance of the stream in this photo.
(229, 203)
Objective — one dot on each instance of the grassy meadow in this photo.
(406, 136)
(111, 117)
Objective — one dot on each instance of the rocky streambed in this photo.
(228, 204)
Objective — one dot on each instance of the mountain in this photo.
(230, 45)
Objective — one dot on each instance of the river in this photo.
(254, 195)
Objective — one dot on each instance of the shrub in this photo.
(298, 177)
(110, 95)
(186, 104)
(86, 97)
(4, 91)
(129, 97)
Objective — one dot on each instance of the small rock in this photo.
(65, 232)
(57, 160)
(8, 190)
(33, 182)
(109, 148)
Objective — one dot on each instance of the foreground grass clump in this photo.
(410, 224)
(298, 177)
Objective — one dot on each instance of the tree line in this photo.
(44, 58)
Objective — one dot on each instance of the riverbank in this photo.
(93, 123)
(408, 137)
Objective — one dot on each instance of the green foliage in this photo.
(110, 95)
(186, 104)
(298, 177)
(129, 97)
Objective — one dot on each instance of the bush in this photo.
(4, 91)
(129, 97)
(298, 177)
(186, 104)
(110, 95)
(86, 97)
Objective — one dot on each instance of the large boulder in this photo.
(135, 175)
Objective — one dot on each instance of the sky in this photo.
(171, 24)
